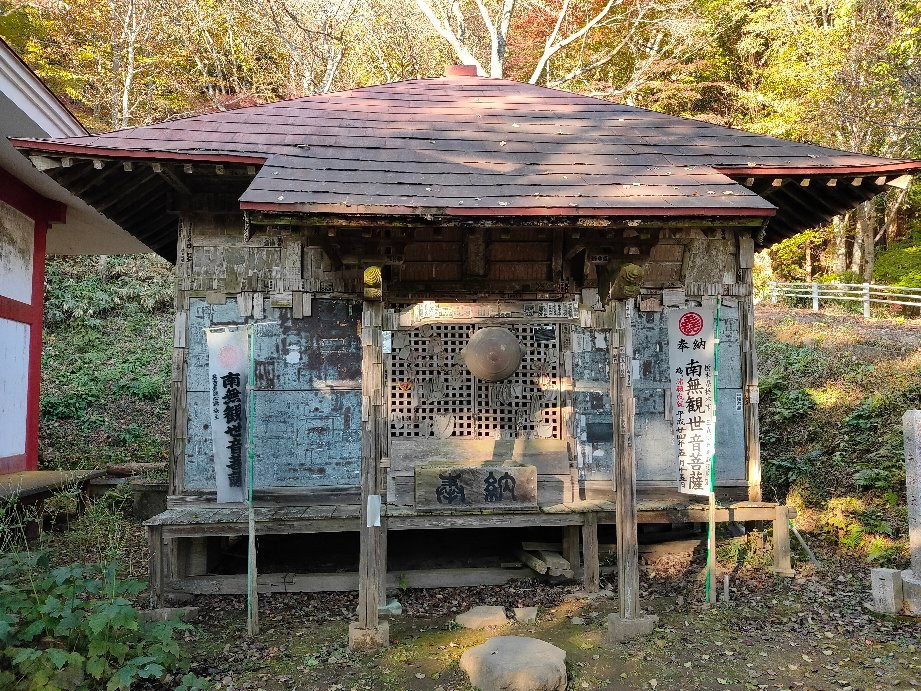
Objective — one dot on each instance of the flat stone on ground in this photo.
(526, 615)
(482, 617)
(515, 663)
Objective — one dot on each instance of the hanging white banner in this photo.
(228, 369)
(691, 348)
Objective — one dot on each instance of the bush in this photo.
(75, 627)
(900, 265)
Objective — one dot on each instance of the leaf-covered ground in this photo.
(809, 633)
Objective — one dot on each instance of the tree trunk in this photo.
(868, 210)
(838, 262)
(860, 235)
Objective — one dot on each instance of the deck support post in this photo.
(571, 551)
(369, 632)
(628, 622)
(591, 578)
(782, 564)
(155, 535)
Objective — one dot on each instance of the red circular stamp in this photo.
(690, 324)
(229, 356)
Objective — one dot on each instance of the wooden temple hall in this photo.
(456, 303)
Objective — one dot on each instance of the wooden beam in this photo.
(213, 584)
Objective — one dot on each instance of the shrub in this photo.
(75, 627)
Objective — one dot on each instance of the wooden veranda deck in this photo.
(582, 516)
(30, 483)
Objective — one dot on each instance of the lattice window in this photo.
(431, 394)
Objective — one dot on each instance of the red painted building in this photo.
(37, 216)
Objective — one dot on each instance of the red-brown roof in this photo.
(469, 145)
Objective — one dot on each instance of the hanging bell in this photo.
(492, 354)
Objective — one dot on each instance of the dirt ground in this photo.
(811, 632)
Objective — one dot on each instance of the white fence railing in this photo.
(866, 293)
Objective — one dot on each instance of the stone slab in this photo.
(515, 663)
(621, 630)
(369, 639)
(886, 586)
(526, 615)
(911, 593)
(482, 617)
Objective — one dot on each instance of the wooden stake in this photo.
(252, 595)
(252, 611)
(711, 550)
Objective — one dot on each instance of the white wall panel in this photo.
(17, 242)
(14, 373)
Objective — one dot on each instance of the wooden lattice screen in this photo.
(431, 394)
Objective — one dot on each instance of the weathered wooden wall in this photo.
(685, 267)
(308, 379)
(306, 400)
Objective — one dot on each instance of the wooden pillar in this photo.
(571, 548)
(368, 632)
(591, 578)
(752, 427)
(628, 574)
(628, 622)
(782, 565)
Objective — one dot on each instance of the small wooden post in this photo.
(782, 564)
(628, 622)
(571, 551)
(591, 578)
(866, 300)
(815, 297)
(711, 549)
(252, 614)
(773, 292)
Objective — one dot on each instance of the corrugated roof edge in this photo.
(635, 211)
(203, 156)
(902, 166)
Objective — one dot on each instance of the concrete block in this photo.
(482, 617)
(887, 590)
(621, 630)
(911, 593)
(167, 613)
(369, 639)
(515, 663)
(526, 615)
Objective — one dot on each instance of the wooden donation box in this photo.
(475, 487)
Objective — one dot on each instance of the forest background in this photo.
(841, 73)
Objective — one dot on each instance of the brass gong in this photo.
(492, 354)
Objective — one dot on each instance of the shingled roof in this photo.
(480, 146)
